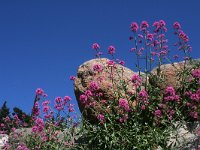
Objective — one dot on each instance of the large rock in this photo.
(110, 81)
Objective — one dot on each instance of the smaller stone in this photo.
(3, 140)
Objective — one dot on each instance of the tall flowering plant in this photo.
(147, 118)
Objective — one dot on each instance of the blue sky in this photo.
(43, 42)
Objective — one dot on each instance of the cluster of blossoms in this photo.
(196, 73)
(121, 62)
(158, 113)
(143, 99)
(39, 126)
(72, 78)
(36, 109)
(167, 106)
(40, 93)
(94, 86)
(92, 91)
(170, 95)
(136, 80)
(193, 99)
(123, 110)
(111, 63)
(97, 68)
(111, 50)
(101, 118)
(123, 103)
(96, 47)
(46, 109)
(60, 103)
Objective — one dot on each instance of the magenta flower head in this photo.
(97, 67)
(121, 62)
(134, 27)
(110, 63)
(177, 25)
(143, 96)
(158, 113)
(101, 118)
(95, 46)
(39, 92)
(150, 37)
(83, 98)
(67, 99)
(94, 86)
(170, 90)
(46, 109)
(88, 93)
(136, 80)
(72, 78)
(111, 50)
(155, 24)
(144, 25)
(196, 73)
(123, 103)
(45, 103)
(34, 129)
(162, 23)
(183, 36)
(58, 99)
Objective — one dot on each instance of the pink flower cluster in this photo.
(170, 95)
(183, 36)
(96, 47)
(61, 103)
(193, 102)
(93, 86)
(110, 63)
(177, 25)
(143, 99)
(101, 118)
(46, 109)
(196, 73)
(137, 81)
(39, 126)
(134, 27)
(72, 78)
(144, 25)
(98, 67)
(111, 50)
(160, 25)
(158, 113)
(83, 98)
(123, 103)
(121, 62)
(39, 92)
(36, 109)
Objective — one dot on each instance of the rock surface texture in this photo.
(169, 72)
(108, 76)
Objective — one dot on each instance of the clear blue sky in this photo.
(42, 42)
